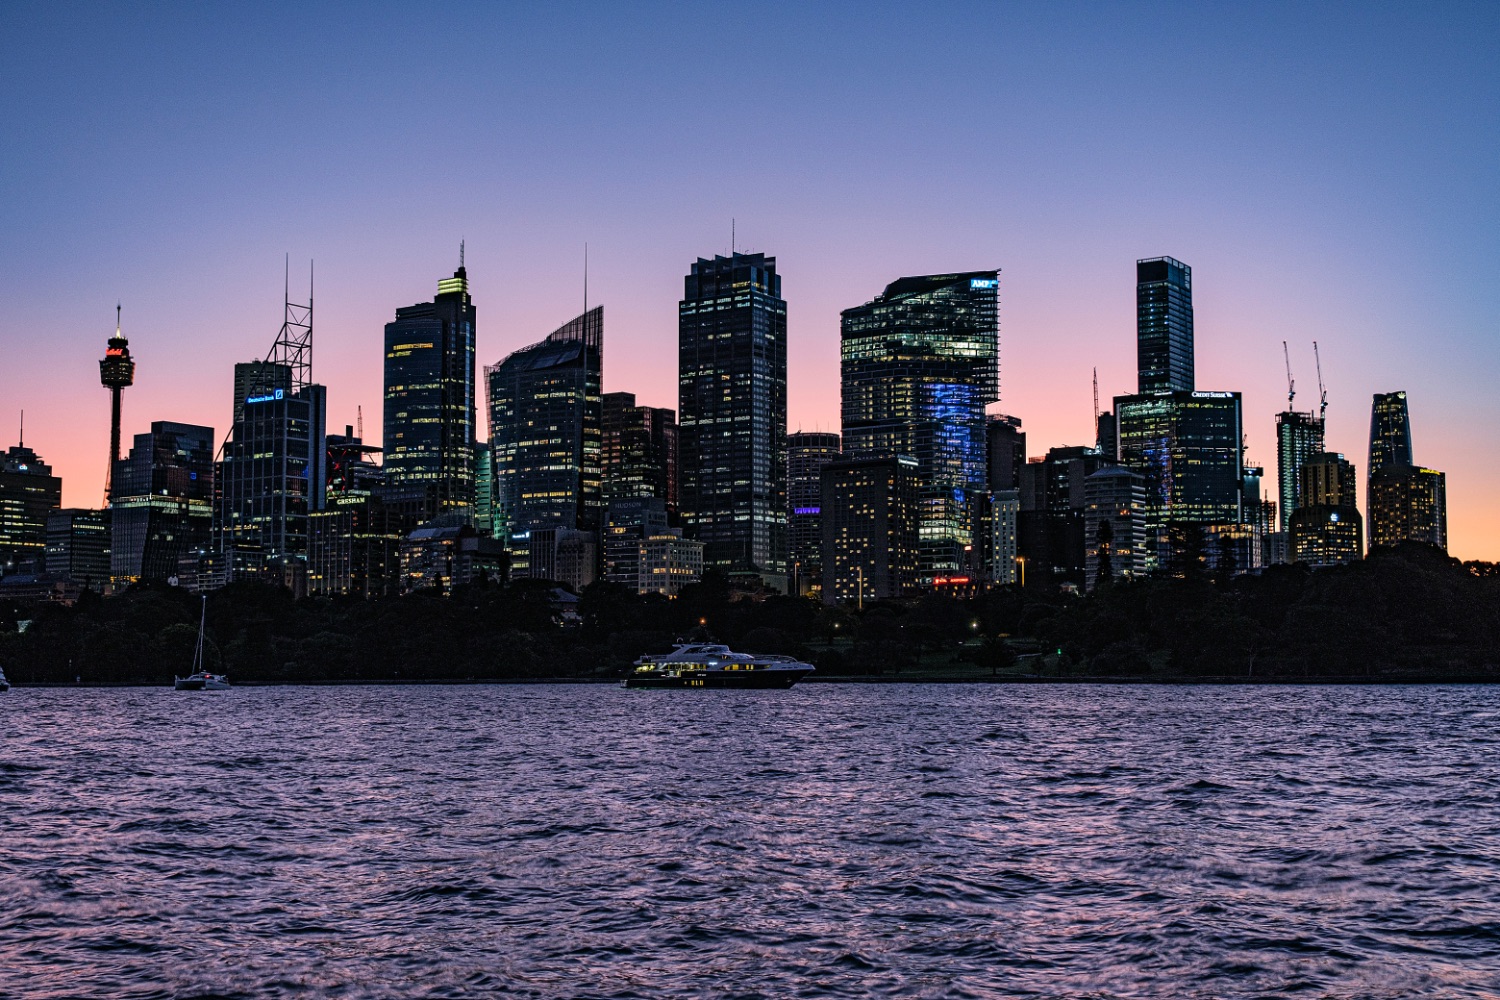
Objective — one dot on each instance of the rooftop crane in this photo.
(1322, 392)
(1291, 386)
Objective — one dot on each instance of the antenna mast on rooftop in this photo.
(293, 346)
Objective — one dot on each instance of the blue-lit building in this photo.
(919, 363)
(731, 390)
(429, 396)
(546, 435)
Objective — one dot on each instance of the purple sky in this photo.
(1327, 170)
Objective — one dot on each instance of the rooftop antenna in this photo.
(585, 278)
(460, 254)
(1322, 392)
(293, 346)
(1291, 386)
(731, 236)
(23, 429)
(359, 418)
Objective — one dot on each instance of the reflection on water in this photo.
(834, 840)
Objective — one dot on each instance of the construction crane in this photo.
(1291, 386)
(1322, 392)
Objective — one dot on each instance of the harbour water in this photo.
(884, 840)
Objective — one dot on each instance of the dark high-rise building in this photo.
(871, 525)
(1051, 523)
(546, 436)
(919, 363)
(258, 378)
(1390, 431)
(806, 454)
(78, 546)
(1327, 529)
(639, 450)
(29, 493)
(271, 478)
(429, 396)
(1299, 436)
(1408, 503)
(1114, 525)
(731, 385)
(484, 489)
(1005, 444)
(116, 373)
(162, 507)
(629, 521)
(1164, 325)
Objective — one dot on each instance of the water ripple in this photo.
(831, 841)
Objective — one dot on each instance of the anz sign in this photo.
(984, 282)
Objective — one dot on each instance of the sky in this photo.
(1327, 170)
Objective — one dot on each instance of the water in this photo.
(831, 841)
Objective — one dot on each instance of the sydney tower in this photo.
(116, 371)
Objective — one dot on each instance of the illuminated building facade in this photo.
(1327, 529)
(429, 396)
(669, 562)
(162, 508)
(731, 390)
(272, 476)
(806, 454)
(1408, 503)
(1299, 436)
(919, 363)
(871, 535)
(639, 451)
(546, 435)
(628, 522)
(78, 546)
(1004, 524)
(1188, 446)
(1390, 430)
(1114, 526)
(29, 493)
(1164, 325)
(484, 489)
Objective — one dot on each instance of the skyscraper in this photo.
(1327, 528)
(1404, 501)
(1189, 447)
(1299, 436)
(919, 363)
(429, 396)
(871, 532)
(162, 507)
(731, 384)
(1390, 431)
(806, 454)
(1408, 503)
(1164, 325)
(116, 373)
(545, 434)
(639, 451)
(1006, 447)
(78, 546)
(271, 477)
(29, 493)
(1114, 525)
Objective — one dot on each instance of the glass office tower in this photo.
(1390, 431)
(1299, 436)
(162, 504)
(919, 363)
(1164, 325)
(429, 396)
(806, 454)
(639, 451)
(731, 414)
(545, 433)
(1188, 446)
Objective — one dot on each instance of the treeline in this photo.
(1411, 613)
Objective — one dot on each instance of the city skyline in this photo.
(1289, 234)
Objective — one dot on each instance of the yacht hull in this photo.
(741, 679)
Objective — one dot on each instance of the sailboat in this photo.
(200, 679)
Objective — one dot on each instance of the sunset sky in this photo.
(1328, 171)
